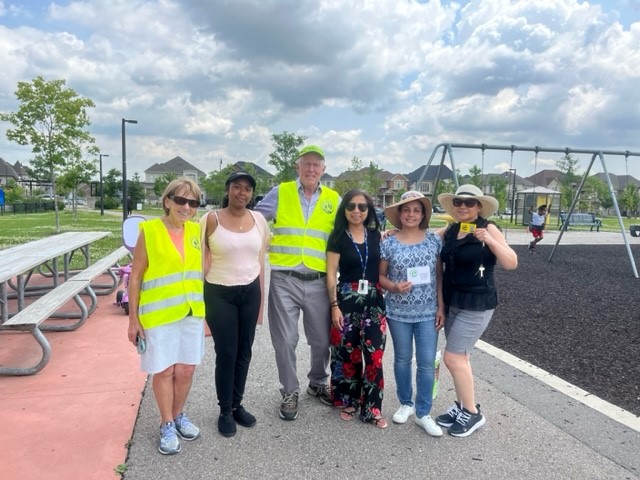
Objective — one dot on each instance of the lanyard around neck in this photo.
(363, 263)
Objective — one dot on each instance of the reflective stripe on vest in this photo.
(170, 286)
(295, 242)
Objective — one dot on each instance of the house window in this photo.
(398, 184)
(424, 187)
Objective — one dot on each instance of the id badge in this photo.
(363, 286)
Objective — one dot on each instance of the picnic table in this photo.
(21, 261)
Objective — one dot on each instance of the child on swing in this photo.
(538, 221)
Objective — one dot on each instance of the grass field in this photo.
(19, 229)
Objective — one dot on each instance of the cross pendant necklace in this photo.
(481, 269)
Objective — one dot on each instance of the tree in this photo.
(372, 180)
(75, 173)
(475, 176)
(630, 199)
(214, 186)
(568, 166)
(53, 120)
(285, 155)
(499, 188)
(160, 183)
(135, 189)
(112, 183)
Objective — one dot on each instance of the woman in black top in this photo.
(471, 248)
(358, 322)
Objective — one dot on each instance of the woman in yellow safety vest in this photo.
(167, 307)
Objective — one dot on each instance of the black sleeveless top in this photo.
(462, 285)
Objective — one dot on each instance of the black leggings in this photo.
(232, 314)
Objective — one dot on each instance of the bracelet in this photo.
(334, 304)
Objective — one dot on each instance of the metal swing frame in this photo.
(447, 148)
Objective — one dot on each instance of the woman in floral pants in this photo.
(358, 322)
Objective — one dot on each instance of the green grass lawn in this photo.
(22, 228)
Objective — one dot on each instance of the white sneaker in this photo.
(403, 414)
(429, 426)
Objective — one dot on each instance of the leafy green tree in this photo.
(213, 185)
(160, 183)
(135, 189)
(372, 181)
(630, 199)
(53, 120)
(112, 183)
(352, 178)
(569, 180)
(285, 155)
(475, 176)
(13, 192)
(75, 173)
(499, 189)
(598, 193)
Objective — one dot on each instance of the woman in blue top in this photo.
(411, 272)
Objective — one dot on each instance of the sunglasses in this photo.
(183, 201)
(363, 207)
(468, 202)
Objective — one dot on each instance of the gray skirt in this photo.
(463, 328)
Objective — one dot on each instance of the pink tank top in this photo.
(235, 256)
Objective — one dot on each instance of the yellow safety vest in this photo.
(170, 286)
(295, 242)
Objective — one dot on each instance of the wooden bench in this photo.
(30, 319)
(580, 219)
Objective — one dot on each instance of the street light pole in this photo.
(101, 189)
(513, 193)
(125, 200)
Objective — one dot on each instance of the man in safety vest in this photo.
(303, 212)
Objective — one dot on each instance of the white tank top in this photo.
(235, 256)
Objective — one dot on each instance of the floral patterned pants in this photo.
(356, 351)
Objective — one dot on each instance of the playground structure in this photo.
(447, 149)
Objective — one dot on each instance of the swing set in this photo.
(447, 150)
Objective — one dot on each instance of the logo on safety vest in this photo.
(195, 243)
(327, 207)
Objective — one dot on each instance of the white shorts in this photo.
(177, 342)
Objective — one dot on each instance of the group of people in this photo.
(330, 262)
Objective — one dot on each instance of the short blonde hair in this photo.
(179, 185)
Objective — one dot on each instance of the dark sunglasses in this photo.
(183, 201)
(468, 202)
(363, 207)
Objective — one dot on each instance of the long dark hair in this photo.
(341, 224)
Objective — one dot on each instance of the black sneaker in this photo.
(226, 425)
(243, 418)
(447, 418)
(322, 393)
(289, 406)
(466, 423)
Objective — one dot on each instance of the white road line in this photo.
(615, 413)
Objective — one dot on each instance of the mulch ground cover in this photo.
(577, 317)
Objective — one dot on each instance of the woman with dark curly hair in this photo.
(358, 322)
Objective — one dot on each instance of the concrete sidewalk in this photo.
(532, 432)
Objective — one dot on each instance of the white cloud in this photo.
(382, 80)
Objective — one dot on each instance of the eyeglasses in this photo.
(363, 207)
(468, 202)
(183, 201)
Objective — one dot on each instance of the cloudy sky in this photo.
(383, 80)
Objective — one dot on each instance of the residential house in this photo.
(619, 182)
(427, 178)
(328, 180)
(262, 176)
(177, 165)
(7, 172)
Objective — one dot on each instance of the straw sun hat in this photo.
(392, 212)
(488, 205)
